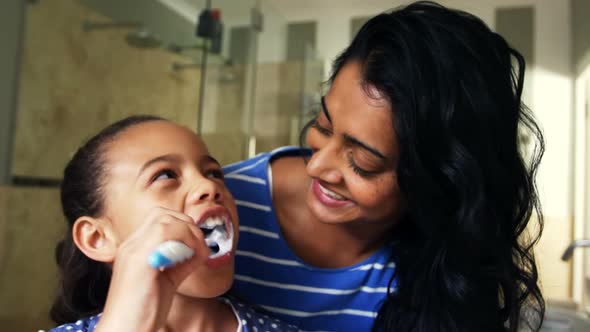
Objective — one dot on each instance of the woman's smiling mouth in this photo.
(327, 197)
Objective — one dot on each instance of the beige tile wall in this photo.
(32, 224)
(223, 115)
(278, 98)
(3, 199)
(278, 102)
(73, 83)
(555, 275)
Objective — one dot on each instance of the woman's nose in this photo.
(324, 165)
(205, 190)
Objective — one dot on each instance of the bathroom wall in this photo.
(279, 108)
(30, 225)
(552, 102)
(580, 31)
(73, 83)
(223, 112)
(581, 67)
(3, 212)
(11, 27)
(547, 53)
(278, 88)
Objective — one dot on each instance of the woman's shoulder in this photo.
(266, 173)
(289, 177)
(82, 325)
(261, 160)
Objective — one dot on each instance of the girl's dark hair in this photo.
(463, 259)
(84, 283)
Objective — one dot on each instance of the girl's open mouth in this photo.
(219, 235)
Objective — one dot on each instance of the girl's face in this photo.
(160, 164)
(353, 167)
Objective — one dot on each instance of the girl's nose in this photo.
(205, 190)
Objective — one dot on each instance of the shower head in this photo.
(142, 38)
(88, 26)
(175, 48)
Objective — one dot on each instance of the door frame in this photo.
(581, 229)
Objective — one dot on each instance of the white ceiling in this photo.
(296, 10)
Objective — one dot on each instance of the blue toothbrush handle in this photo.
(169, 254)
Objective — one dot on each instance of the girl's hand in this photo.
(140, 296)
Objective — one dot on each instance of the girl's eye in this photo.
(215, 174)
(323, 130)
(165, 175)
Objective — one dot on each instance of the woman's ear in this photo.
(95, 238)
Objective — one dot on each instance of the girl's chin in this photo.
(196, 287)
(209, 293)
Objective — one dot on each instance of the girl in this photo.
(137, 184)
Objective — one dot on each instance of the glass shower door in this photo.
(586, 253)
(229, 78)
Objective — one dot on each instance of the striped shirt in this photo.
(269, 274)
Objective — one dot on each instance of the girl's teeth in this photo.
(213, 221)
(331, 193)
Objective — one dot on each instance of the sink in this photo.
(565, 320)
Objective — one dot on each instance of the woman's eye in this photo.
(165, 175)
(215, 174)
(323, 130)
(358, 170)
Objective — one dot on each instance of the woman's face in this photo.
(160, 164)
(353, 167)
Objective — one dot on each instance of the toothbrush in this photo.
(169, 254)
(172, 252)
(219, 240)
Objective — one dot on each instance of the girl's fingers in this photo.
(134, 283)
(188, 234)
(162, 225)
(178, 265)
(164, 211)
(162, 215)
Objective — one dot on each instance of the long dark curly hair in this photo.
(464, 259)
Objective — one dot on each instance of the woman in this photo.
(409, 214)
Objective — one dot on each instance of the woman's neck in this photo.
(334, 246)
(202, 315)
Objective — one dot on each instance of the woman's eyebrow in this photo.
(365, 146)
(352, 140)
(325, 109)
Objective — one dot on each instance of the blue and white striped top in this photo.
(270, 275)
